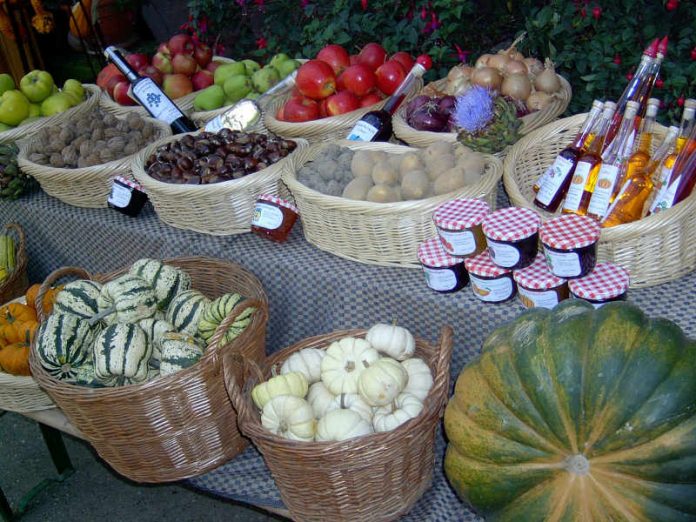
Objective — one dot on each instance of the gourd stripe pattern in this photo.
(193, 299)
(60, 357)
(81, 295)
(174, 289)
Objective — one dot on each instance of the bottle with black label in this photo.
(148, 94)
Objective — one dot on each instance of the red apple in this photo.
(300, 109)
(370, 99)
(152, 72)
(342, 102)
(316, 79)
(177, 85)
(212, 66)
(389, 76)
(105, 74)
(112, 81)
(201, 80)
(163, 48)
(162, 62)
(184, 64)
(336, 56)
(404, 59)
(353, 59)
(373, 55)
(203, 54)
(180, 44)
(358, 79)
(280, 113)
(137, 60)
(323, 111)
(295, 93)
(121, 94)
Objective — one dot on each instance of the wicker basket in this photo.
(375, 477)
(93, 96)
(17, 282)
(654, 250)
(530, 122)
(384, 234)
(218, 209)
(82, 187)
(177, 426)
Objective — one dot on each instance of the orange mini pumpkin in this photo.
(14, 359)
(18, 332)
(48, 300)
(16, 312)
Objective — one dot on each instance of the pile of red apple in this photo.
(179, 66)
(336, 82)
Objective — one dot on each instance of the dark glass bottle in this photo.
(150, 96)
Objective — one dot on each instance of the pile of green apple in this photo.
(244, 79)
(37, 96)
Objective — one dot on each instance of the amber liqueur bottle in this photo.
(641, 155)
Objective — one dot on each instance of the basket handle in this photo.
(442, 374)
(221, 330)
(52, 278)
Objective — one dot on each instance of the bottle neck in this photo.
(687, 125)
(115, 56)
(616, 152)
(587, 128)
(646, 134)
(660, 154)
(399, 94)
(600, 133)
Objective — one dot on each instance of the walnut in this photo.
(70, 156)
(93, 159)
(99, 145)
(135, 136)
(39, 158)
(44, 134)
(66, 134)
(82, 163)
(79, 141)
(116, 143)
(56, 160)
(55, 144)
(148, 130)
(85, 148)
(112, 132)
(131, 148)
(98, 134)
(122, 126)
(106, 155)
(134, 120)
(109, 120)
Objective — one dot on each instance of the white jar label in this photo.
(503, 255)
(155, 101)
(120, 196)
(491, 290)
(537, 298)
(577, 186)
(554, 178)
(457, 242)
(267, 216)
(362, 131)
(440, 279)
(563, 264)
(603, 189)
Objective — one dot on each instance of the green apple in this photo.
(286, 67)
(251, 66)
(265, 78)
(4, 127)
(252, 95)
(36, 85)
(74, 87)
(56, 103)
(278, 58)
(225, 71)
(236, 87)
(6, 83)
(209, 99)
(74, 99)
(14, 107)
(34, 109)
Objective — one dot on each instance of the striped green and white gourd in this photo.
(64, 345)
(185, 311)
(179, 351)
(78, 298)
(85, 376)
(154, 328)
(216, 312)
(129, 298)
(122, 351)
(166, 280)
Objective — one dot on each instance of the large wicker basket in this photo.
(218, 209)
(530, 122)
(654, 250)
(17, 282)
(375, 477)
(177, 426)
(386, 234)
(87, 186)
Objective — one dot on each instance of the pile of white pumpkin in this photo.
(352, 388)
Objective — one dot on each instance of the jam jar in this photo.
(489, 282)
(570, 245)
(443, 273)
(273, 217)
(512, 234)
(607, 282)
(128, 197)
(458, 223)
(537, 287)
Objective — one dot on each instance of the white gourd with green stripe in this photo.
(85, 376)
(185, 311)
(130, 299)
(216, 312)
(179, 351)
(63, 345)
(154, 328)
(122, 351)
(166, 280)
(78, 298)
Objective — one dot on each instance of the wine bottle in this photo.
(148, 94)
(641, 154)
(685, 170)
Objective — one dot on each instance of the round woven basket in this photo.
(654, 250)
(386, 234)
(219, 209)
(177, 426)
(530, 122)
(376, 477)
(93, 95)
(17, 281)
(82, 187)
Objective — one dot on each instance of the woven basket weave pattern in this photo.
(17, 282)
(375, 477)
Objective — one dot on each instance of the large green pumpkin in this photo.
(577, 414)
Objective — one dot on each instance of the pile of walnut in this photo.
(91, 139)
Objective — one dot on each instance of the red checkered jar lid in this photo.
(537, 275)
(460, 214)
(569, 232)
(511, 224)
(431, 253)
(130, 183)
(483, 266)
(606, 281)
(278, 201)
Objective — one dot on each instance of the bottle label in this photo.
(155, 101)
(120, 196)
(553, 178)
(577, 186)
(503, 255)
(538, 298)
(563, 264)
(665, 174)
(459, 242)
(618, 199)
(267, 216)
(603, 189)
(491, 290)
(440, 279)
(362, 131)
(665, 198)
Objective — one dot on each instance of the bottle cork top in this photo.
(653, 107)
(609, 109)
(662, 46)
(651, 50)
(597, 104)
(631, 109)
(690, 103)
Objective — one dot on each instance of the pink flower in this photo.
(261, 43)
(259, 3)
(424, 13)
(462, 54)
(304, 3)
(363, 3)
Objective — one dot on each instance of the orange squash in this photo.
(16, 312)
(18, 332)
(48, 300)
(14, 359)
(80, 21)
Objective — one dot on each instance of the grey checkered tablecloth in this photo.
(310, 292)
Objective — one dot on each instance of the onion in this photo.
(534, 66)
(487, 77)
(425, 119)
(416, 103)
(515, 67)
(516, 55)
(483, 60)
(516, 86)
(498, 61)
(459, 71)
(446, 104)
(538, 100)
(548, 80)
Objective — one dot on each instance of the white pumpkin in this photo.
(351, 401)
(341, 425)
(293, 383)
(404, 407)
(320, 398)
(343, 363)
(307, 361)
(382, 382)
(420, 380)
(290, 417)
(394, 341)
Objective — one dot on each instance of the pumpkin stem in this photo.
(577, 464)
(343, 401)
(350, 366)
(394, 321)
(98, 317)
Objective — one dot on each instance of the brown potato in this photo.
(382, 194)
(358, 188)
(384, 173)
(452, 180)
(435, 166)
(474, 164)
(362, 164)
(410, 161)
(415, 185)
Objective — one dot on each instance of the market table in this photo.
(309, 292)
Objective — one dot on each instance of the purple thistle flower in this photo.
(474, 109)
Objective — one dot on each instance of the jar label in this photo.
(603, 189)
(267, 216)
(155, 101)
(440, 279)
(503, 255)
(577, 186)
(563, 264)
(458, 242)
(120, 196)
(554, 178)
(491, 290)
(362, 131)
(537, 298)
